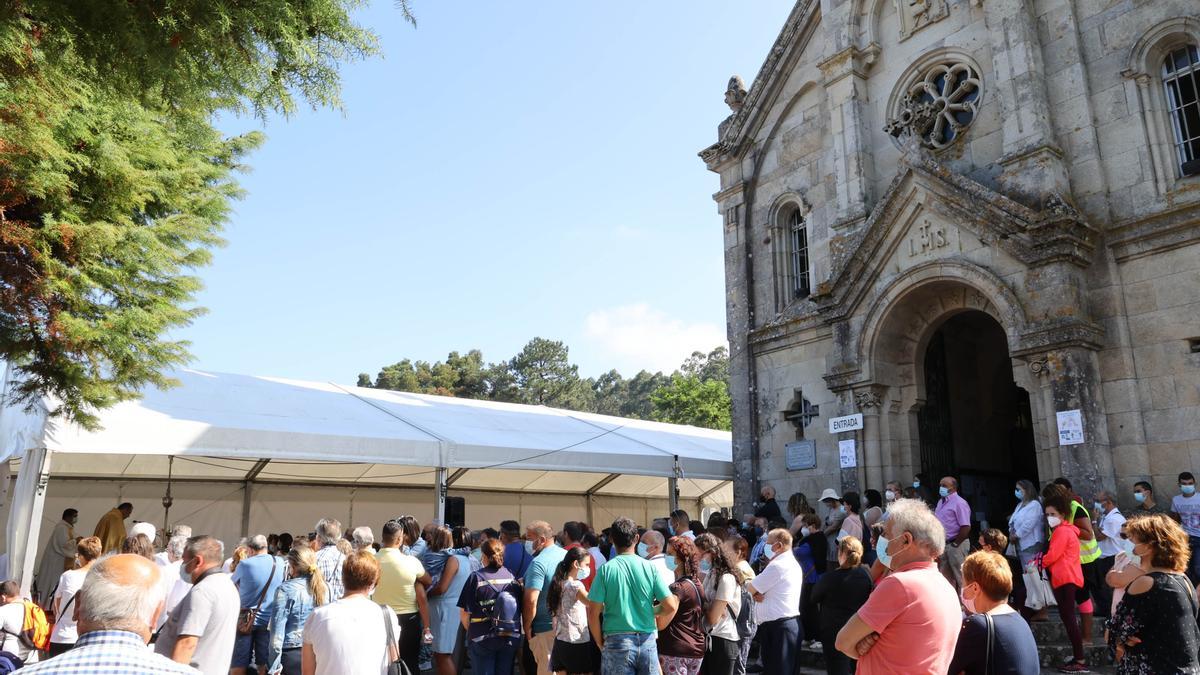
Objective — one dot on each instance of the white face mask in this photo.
(804, 531)
(769, 552)
(890, 495)
(969, 603)
(1053, 521)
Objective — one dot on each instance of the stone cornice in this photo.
(1059, 335)
(1057, 233)
(1172, 228)
(795, 34)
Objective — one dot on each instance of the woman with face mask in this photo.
(836, 598)
(1154, 628)
(574, 651)
(1066, 573)
(724, 595)
(811, 552)
(987, 582)
(1026, 525)
(681, 637)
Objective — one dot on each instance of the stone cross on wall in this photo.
(801, 413)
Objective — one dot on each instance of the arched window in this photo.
(798, 255)
(1181, 77)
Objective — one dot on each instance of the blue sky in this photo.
(504, 171)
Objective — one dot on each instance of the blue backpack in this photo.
(498, 595)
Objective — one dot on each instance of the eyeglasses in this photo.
(1124, 536)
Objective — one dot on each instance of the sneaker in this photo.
(816, 644)
(1074, 667)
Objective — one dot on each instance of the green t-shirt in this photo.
(628, 587)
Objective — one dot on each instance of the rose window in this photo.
(939, 106)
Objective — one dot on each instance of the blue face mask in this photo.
(944, 491)
(671, 563)
(705, 566)
(671, 529)
(1188, 490)
(529, 547)
(916, 484)
(881, 552)
(1139, 497)
(1020, 495)
(641, 550)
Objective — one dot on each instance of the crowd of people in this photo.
(881, 583)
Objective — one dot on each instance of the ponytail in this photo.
(304, 563)
(561, 574)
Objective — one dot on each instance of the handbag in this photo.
(396, 667)
(247, 616)
(1038, 592)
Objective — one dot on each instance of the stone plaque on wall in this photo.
(801, 455)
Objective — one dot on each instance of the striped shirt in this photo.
(110, 652)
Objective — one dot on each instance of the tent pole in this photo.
(673, 486)
(439, 496)
(246, 508)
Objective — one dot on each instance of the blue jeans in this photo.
(1193, 568)
(492, 657)
(629, 654)
(252, 649)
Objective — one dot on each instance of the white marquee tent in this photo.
(288, 451)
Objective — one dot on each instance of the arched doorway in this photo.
(976, 422)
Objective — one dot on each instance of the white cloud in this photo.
(636, 337)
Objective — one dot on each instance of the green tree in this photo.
(544, 375)
(711, 366)
(114, 184)
(690, 400)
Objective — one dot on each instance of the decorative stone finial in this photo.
(735, 93)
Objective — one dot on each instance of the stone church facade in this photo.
(959, 219)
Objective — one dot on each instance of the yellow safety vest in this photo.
(1089, 550)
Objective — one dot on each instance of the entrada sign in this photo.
(848, 423)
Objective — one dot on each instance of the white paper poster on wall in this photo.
(847, 454)
(1070, 427)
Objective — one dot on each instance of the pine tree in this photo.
(114, 184)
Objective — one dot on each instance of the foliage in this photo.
(114, 184)
(542, 374)
(691, 400)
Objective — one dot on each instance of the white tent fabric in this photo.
(226, 427)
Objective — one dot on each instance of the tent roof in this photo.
(223, 426)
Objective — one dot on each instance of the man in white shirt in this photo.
(655, 553)
(1108, 533)
(777, 591)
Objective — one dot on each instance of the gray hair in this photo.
(328, 531)
(207, 546)
(175, 547)
(257, 543)
(914, 517)
(110, 601)
(362, 537)
(653, 538)
(184, 531)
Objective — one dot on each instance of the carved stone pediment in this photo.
(913, 15)
(930, 213)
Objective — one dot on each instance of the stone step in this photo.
(1053, 630)
(1056, 654)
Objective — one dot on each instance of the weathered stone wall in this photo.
(1059, 210)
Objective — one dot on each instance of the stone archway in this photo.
(890, 343)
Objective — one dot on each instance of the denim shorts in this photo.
(629, 654)
(252, 649)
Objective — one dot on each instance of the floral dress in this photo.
(1164, 619)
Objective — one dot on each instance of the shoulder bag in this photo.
(991, 641)
(396, 667)
(247, 616)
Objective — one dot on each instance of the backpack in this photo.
(499, 601)
(747, 623)
(35, 629)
